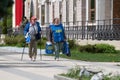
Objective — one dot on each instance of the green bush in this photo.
(72, 43)
(10, 40)
(19, 41)
(15, 40)
(97, 48)
(104, 48)
(42, 42)
(86, 48)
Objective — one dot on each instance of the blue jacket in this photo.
(28, 25)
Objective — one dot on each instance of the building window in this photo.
(67, 12)
(42, 14)
(92, 10)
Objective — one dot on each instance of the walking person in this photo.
(57, 36)
(33, 29)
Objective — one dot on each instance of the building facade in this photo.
(69, 11)
(82, 19)
(72, 10)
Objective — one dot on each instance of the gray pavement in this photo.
(12, 68)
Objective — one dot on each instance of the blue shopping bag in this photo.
(66, 48)
(27, 38)
(49, 48)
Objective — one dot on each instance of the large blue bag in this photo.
(66, 49)
(49, 48)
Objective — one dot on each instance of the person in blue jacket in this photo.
(57, 36)
(33, 29)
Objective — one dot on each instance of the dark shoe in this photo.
(55, 58)
(34, 60)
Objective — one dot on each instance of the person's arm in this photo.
(39, 28)
(26, 29)
(63, 31)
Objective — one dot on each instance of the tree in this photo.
(4, 5)
(4, 12)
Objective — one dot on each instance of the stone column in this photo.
(87, 10)
(71, 12)
(64, 11)
(46, 13)
(36, 9)
(79, 12)
(56, 11)
(27, 9)
(100, 11)
(13, 18)
(51, 12)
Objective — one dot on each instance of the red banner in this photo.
(18, 12)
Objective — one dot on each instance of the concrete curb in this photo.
(58, 77)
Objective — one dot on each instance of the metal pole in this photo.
(23, 52)
(40, 50)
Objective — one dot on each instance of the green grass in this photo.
(96, 57)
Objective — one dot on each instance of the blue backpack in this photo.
(57, 33)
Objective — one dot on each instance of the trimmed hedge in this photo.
(19, 41)
(97, 48)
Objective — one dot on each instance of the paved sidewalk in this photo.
(15, 69)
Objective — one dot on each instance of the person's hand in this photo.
(40, 32)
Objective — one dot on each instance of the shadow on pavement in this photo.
(27, 65)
